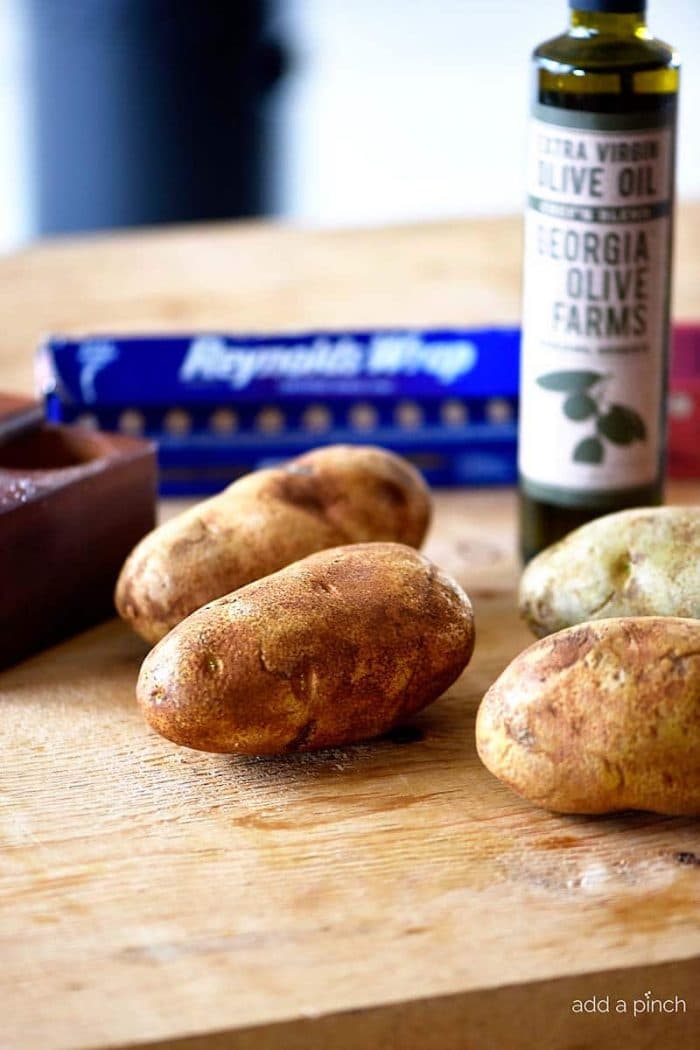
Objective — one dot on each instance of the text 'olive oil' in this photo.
(598, 240)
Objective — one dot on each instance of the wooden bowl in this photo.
(73, 503)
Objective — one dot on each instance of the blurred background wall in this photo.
(121, 112)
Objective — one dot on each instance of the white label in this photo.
(595, 314)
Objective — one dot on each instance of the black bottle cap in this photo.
(610, 7)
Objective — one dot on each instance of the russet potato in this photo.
(642, 562)
(337, 647)
(600, 717)
(266, 520)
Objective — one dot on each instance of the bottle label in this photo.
(596, 303)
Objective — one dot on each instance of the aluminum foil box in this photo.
(219, 405)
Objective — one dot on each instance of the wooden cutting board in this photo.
(391, 894)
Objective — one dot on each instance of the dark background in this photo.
(150, 111)
(120, 113)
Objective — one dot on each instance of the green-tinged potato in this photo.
(336, 648)
(264, 521)
(600, 717)
(643, 562)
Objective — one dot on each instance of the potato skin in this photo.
(642, 562)
(600, 717)
(264, 521)
(336, 648)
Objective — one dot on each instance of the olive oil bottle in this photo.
(598, 239)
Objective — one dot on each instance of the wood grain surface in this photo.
(391, 894)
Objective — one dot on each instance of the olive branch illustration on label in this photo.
(618, 424)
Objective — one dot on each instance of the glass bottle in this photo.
(598, 242)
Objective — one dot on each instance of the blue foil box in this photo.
(219, 405)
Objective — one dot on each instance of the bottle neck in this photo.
(606, 23)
